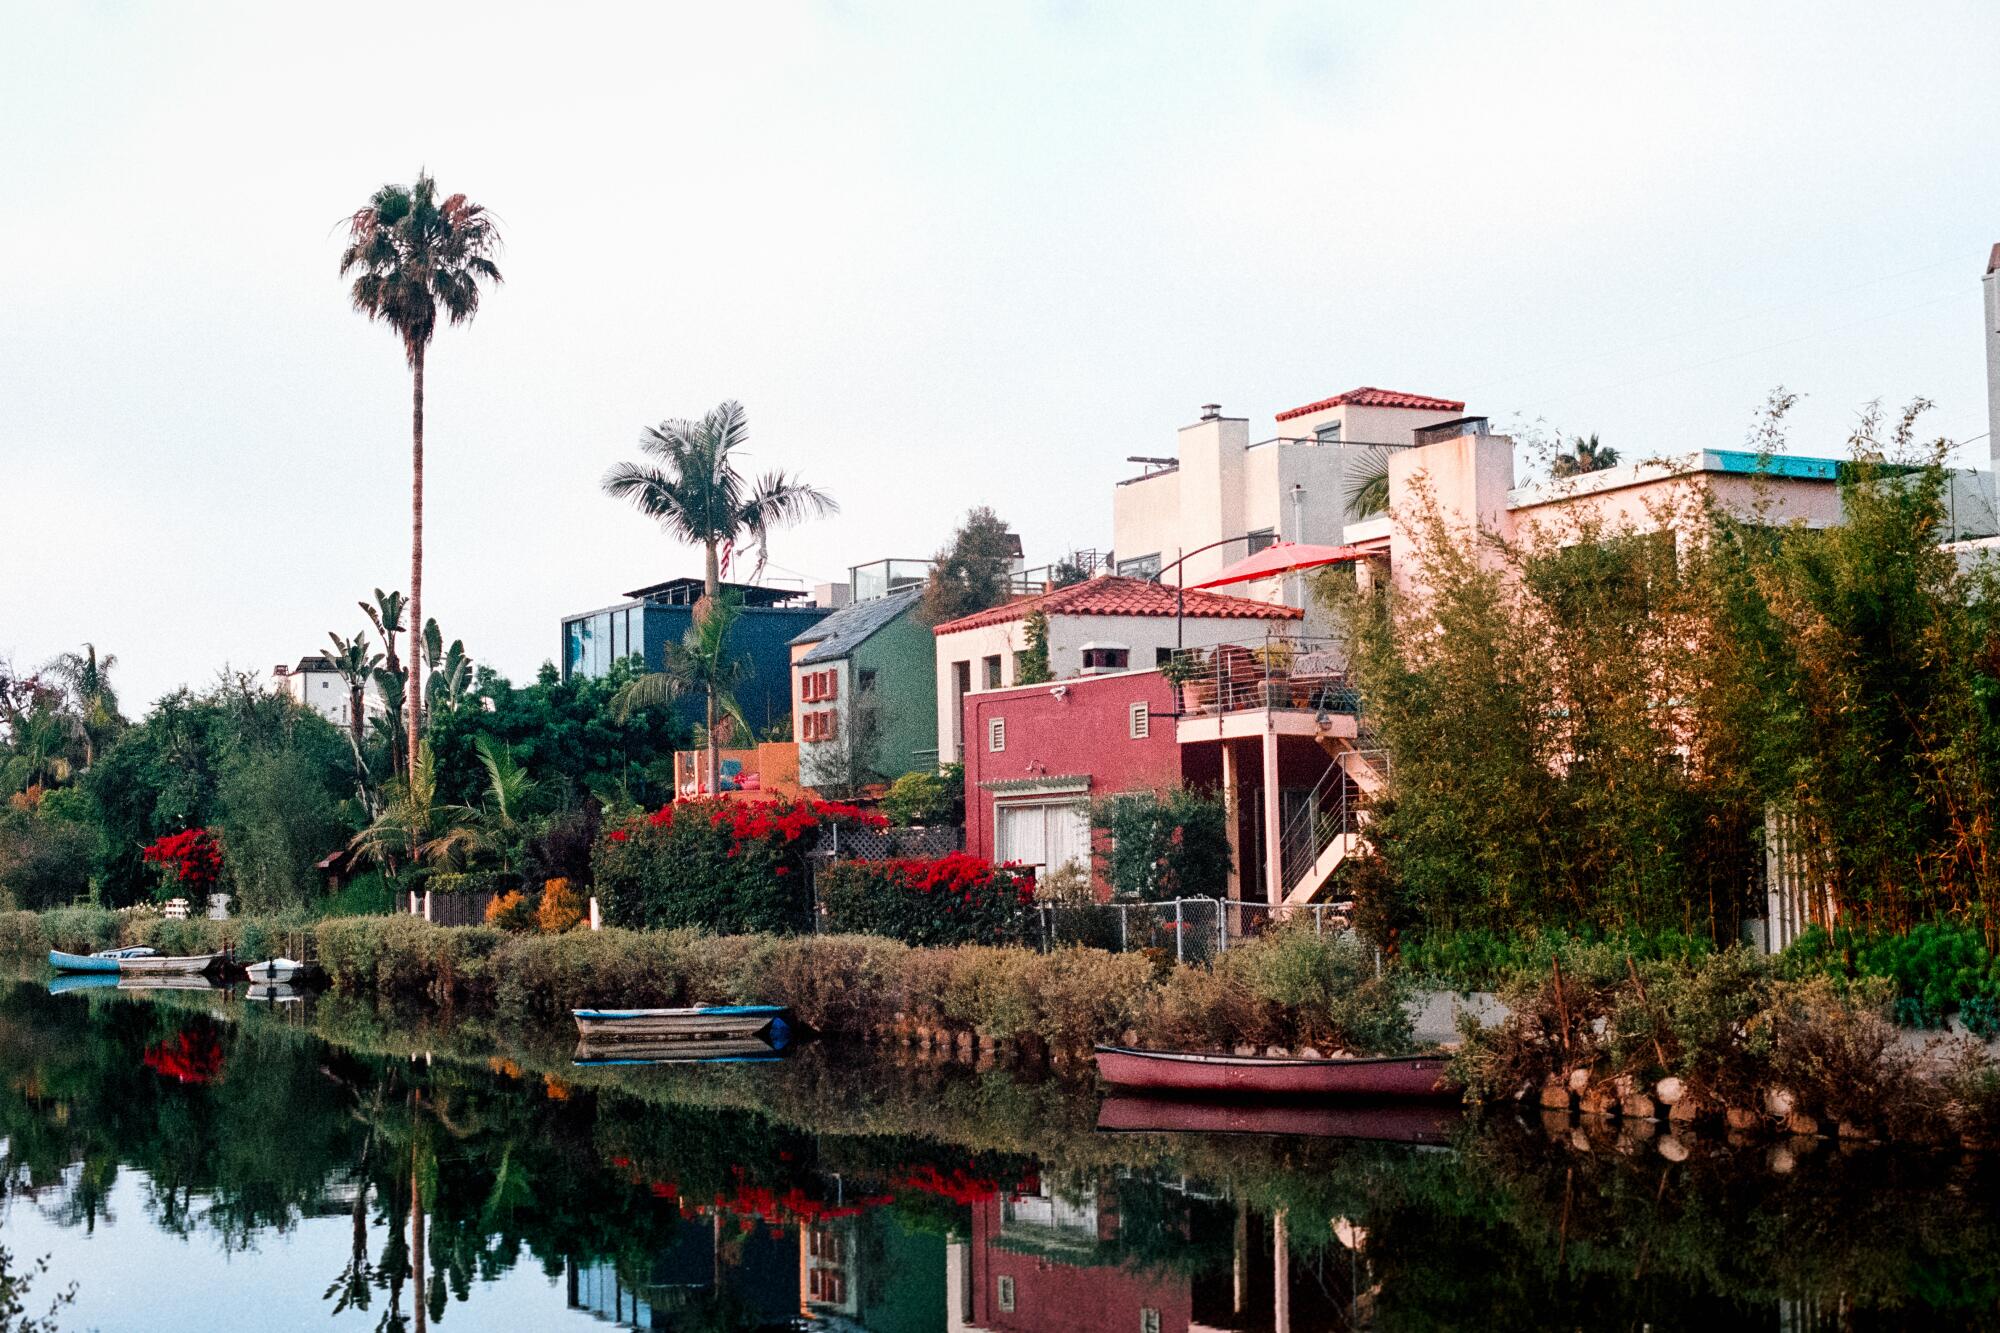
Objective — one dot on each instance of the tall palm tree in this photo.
(693, 488)
(700, 662)
(85, 681)
(1584, 456)
(415, 257)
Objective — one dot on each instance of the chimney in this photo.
(1992, 282)
(1213, 411)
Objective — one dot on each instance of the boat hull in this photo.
(715, 1023)
(274, 972)
(735, 1050)
(192, 966)
(77, 962)
(1274, 1076)
(1405, 1121)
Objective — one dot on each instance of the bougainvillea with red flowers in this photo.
(954, 899)
(721, 865)
(192, 859)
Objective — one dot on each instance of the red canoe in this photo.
(1275, 1075)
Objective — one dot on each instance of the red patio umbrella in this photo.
(1281, 558)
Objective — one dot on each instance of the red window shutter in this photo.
(833, 684)
(832, 720)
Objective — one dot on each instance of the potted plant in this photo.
(1188, 674)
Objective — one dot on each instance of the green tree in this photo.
(415, 257)
(973, 572)
(690, 485)
(701, 663)
(356, 666)
(1367, 483)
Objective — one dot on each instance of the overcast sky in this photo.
(947, 255)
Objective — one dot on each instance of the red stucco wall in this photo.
(1083, 732)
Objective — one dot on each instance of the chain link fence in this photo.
(1189, 930)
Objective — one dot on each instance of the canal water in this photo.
(188, 1160)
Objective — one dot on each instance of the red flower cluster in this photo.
(955, 899)
(187, 1058)
(195, 856)
(961, 1185)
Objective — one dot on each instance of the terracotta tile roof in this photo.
(1115, 595)
(1367, 397)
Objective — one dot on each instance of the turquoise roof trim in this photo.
(1743, 461)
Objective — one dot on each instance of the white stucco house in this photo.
(1107, 624)
(314, 683)
(1222, 497)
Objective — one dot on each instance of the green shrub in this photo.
(1475, 958)
(83, 929)
(364, 895)
(22, 935)
(927, 798)
(955, 899)
(1163, 845)
(729, 866)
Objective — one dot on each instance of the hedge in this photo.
(955, 899)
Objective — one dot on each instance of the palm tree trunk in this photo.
(418, 1296)
(711, 589)
(416, 688)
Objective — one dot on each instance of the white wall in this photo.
(326, 694)
(815, 757)
(973, 645)
(1144, 636)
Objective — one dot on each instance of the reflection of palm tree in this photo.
(1584, 456)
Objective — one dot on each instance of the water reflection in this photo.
(317, 1161)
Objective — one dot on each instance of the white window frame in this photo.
(996, 735)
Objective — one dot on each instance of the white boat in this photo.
(274, 971)
(157, 966)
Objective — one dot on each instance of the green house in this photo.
(864, 694)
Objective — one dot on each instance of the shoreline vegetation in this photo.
(1727, 1041)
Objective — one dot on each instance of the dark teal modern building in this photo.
(655, 616)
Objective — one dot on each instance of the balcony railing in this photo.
(1280, 672)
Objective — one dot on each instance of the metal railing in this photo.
(1281, 672)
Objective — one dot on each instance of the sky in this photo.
(946, 255)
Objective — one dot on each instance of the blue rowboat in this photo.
(718, 1022)
(107, 961)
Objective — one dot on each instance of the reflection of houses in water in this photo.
(1036, 1262)
(858, 1272)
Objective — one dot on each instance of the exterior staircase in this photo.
(1327, 828)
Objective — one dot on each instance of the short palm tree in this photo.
(85, 681)
(1584, 456)
(494, 827)
(414, 258)
(414, 826)
(357, 665)
(386, 615)
(691, 485)
(700, 663)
